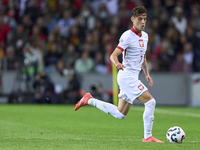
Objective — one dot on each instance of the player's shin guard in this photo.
(107, 108)
(148, 117)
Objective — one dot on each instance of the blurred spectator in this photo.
(188, 54)
(41, 25)
(10, 61)
(112, 6)
(116, 23)
(179, 65)
(96, 36)
(194, 18)
(164, 58)
(44, 90)
(163, 22)
(48, 43)
(77, 4)
(87, 19)
(33, 11)
(22, 6)
(40, 56)
(65, 23)
(154, 39)
(56, 32)
(114, 36)
(51, 5)
(155, 25)
(63, 44)
(130, 4)
(155, 10)
(179, 20)
(12, 15)
(4, 30)
(30, 59)
(60, 67)
(124, 19)
(103, 13)
(65, 5)
(74, 37)
(69, 56)
(169, 5)
(27, 23)
(108, 48)
(36, 35)
(87, 48)
(49, 21)
(18, 40)
(94, 4)
(172, 36)
(192, 37)
(100, 66)
(90, 40)
(84, 64)
(52, 56)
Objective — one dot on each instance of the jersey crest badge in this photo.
(141, 43)
(141, 87)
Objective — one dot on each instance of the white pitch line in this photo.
(170, 112)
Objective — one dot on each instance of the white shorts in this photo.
(130, 86)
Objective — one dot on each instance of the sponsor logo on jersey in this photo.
(141, 43)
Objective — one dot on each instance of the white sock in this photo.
(106, 107)
(148, 117)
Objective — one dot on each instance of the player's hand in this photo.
(149, 79)
(120, 66)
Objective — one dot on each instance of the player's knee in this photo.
(151, 102)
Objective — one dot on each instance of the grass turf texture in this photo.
(57, 127)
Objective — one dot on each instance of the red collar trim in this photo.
(136, 32)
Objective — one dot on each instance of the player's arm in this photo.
(146, 72)
(114, 59)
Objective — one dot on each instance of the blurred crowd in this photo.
(54, 35)
(79, 35)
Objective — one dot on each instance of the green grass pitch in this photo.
(59, 127)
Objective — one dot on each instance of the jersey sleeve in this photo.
(123, 41)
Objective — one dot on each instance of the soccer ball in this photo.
(175, 134)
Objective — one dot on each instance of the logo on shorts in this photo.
(141, 43)
(141, 87)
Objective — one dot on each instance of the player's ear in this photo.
(132, 18)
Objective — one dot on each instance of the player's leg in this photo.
(148, 116)
(117, 112)
(123, 106)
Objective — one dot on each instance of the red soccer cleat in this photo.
(83, 101)
(152, 139)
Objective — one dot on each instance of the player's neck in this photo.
(139, 32)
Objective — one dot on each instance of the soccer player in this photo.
(133, 46)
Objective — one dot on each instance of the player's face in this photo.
(139, 21)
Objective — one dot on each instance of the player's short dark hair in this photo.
(138, 10)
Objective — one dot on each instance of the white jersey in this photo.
(133, 48)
